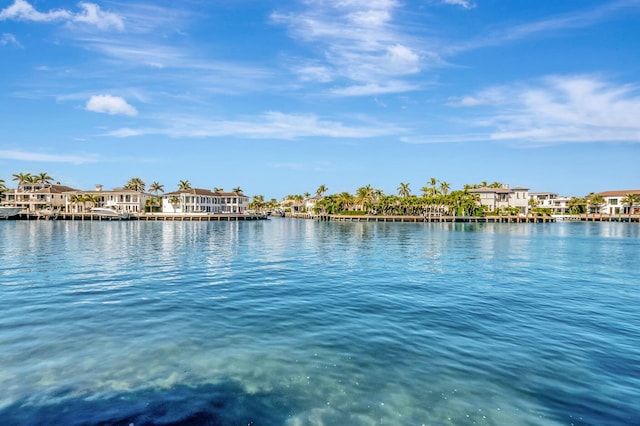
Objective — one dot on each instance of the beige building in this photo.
(33, 197)
(504, 197)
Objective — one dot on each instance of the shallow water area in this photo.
(299, 322)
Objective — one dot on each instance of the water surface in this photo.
(303, 323)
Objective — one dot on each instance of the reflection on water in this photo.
(297, 322)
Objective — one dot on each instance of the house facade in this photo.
(613, 204)
(550, 200)
(33, 197)
(125, 200)
(504, 197)
(197, 200)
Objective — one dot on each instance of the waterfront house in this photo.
(33, 197)
(197, 200)
(125, 200)
(613, 202)
(550, 200)
(503, 197)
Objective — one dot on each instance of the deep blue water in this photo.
(303, 323)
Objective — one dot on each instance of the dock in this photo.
(435, 219)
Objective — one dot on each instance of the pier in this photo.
(435, 219)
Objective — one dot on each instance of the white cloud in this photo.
(21, 10)
(355, 41)
(270, 125)
(374, 89)
(558, 109)
(91, 14)
(8, 38)
(543, 27)
(465, 4)
(54, 158)
(111, 105)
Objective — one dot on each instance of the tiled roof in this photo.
(491, 190)
(621, 193)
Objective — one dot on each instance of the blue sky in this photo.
(279, 97)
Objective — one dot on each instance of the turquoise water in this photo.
(294, 322)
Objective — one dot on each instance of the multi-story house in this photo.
(197, 200)
(550, 200)
(33, 197)
(497, 198)
(124, 200)
(613, 202)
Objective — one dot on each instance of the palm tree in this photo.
(533, 203)
(433, 182)
(345, 200)
(576, 205)
(174, 201)
(630, 200)
(404, 190)
(42, 178)
(156, 187)
(444, 188)
(3, 188)
(365, 195)
(135, 184)
(184, 185)
(218, 189)
(595, 200)
(23, 178)
(75, 199)
(237, 189)
(321, 190)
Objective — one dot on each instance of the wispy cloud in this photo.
(465, 4)
(573, 20)
(89, 14)
(110, 105)
(558, 109)
(357, 44)
(8, 38)
(270, 125)
(48, 158)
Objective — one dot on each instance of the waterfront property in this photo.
(503, 197)
(197, 200)
(552, 201)
(614, 204)
(32, 197)
(121, 199)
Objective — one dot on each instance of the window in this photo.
(613, 201)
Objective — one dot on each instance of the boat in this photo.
(8, 211)
(110, 212)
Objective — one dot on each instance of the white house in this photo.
(550, 200)
(125, 200)
(197, 200)
(613, 202)
(496, 198)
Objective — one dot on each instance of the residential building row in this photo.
(33, 197)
